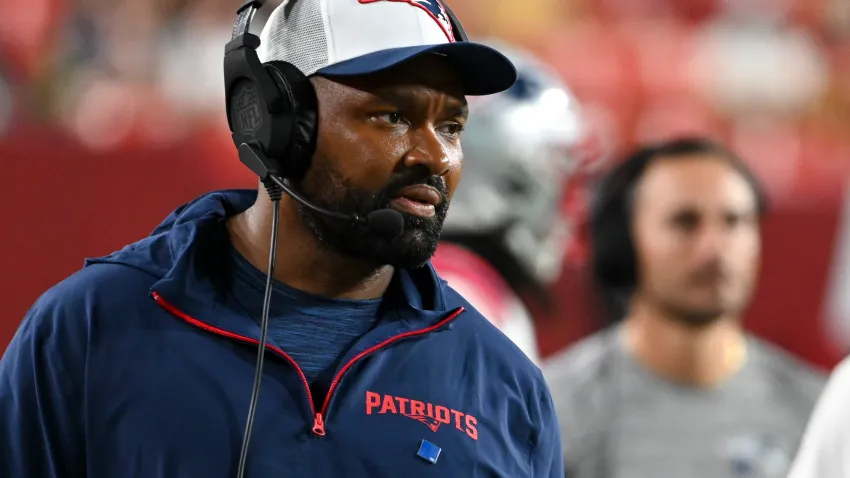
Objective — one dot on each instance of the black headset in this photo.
(273, 106)
(613, 255)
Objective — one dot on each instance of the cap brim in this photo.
(483, 70)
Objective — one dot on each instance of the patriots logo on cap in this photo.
(435, 10)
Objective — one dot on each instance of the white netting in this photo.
(295, 33)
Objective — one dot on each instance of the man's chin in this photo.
(416, 245)
(411, 251)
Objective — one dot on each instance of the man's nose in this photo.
(714, 240)
(430, 152)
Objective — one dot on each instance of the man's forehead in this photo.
(693, 182)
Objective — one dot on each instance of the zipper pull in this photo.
(319, 425)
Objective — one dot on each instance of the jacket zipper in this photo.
(371, 349)
(318, 417)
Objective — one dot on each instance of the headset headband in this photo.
(245, 14)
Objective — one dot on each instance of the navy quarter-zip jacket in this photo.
(132, 367)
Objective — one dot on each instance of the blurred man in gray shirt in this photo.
(678, 389)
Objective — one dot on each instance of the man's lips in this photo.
(419, 200)
(421, 193)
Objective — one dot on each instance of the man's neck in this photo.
(695, 356)
(301, 263)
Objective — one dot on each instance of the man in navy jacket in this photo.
(141, 364)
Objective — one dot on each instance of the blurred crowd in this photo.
(113, 74)
(770, 77)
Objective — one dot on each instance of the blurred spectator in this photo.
(190, 72)
(678, 388)
(749, 61)
(28, 33)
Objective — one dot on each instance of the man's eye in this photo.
(686, 221)
(452, 129)
(391, 118)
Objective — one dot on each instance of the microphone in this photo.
(388, 223)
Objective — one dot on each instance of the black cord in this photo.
(275, 194)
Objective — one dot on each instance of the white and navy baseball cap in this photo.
(356, 37)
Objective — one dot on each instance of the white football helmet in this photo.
(520, 147)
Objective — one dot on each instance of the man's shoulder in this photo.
(795, 376)
(576, 377)
(486, 338)
(101, 282)
(62, 320)
(96, 289)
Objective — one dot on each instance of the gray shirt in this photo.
(619, 420)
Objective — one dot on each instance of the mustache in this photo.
(711, 271)
(414, 179)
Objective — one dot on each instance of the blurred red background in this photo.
(111, 116)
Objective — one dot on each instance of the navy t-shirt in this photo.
(315, 331)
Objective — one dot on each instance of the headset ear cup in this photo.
(304, 111)
(614, 258)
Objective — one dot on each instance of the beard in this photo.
(699, 314)
(413, 248)
(728, 300)
(695, 317)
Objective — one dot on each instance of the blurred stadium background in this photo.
(111, 115)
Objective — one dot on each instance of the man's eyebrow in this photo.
(391, 96)
(461, 110)
(456, 107)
